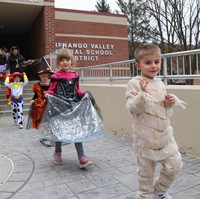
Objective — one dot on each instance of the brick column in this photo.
(49, 21)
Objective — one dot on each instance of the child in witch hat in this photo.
(39, 100)
(17, 87)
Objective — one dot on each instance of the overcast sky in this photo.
(83, 4)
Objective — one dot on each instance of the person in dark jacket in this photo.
(16, 62)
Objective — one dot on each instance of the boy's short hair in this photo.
(145, 49)
(65, 54)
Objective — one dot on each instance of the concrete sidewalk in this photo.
(27, 170)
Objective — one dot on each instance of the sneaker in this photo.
(58, 158)
(162, 195)
(20, 126)
(46, 142)
(84, 162)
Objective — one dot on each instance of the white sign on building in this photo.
(88, 52)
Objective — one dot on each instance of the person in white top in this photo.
(150, 106)
(17, 96)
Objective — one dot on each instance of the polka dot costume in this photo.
(17, 110)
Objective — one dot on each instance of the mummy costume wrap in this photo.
(69, 115)
(153, 135)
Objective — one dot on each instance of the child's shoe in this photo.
(84, 162)
(20, 126)
(58, 158)
(162, 195)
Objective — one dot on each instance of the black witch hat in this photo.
(44, 66)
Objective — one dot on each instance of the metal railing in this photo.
(177, 68)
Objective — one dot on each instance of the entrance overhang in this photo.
(17, 16)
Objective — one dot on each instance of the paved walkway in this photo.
(27, 170)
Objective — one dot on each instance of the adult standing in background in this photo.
(6, 53)
(2, 61)
(16, 62)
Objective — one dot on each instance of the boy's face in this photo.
(149, 65)
(65, 64)
(44, 77)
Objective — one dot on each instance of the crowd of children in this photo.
(55, 105)
(65, 90)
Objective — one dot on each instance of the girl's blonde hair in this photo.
(146, 49)
(65, 54)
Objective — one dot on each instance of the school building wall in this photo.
(38, 28)
(95, 38)
(41, 35)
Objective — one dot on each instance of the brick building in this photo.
(37, 27)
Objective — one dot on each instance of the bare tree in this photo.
(176, 23)
(139, 29)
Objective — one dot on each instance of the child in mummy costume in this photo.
(70, 116)
(150, 106)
